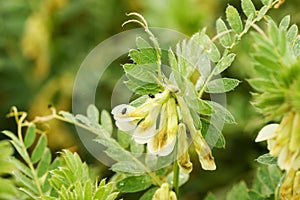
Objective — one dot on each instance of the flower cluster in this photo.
(160, 123)
(283, 141)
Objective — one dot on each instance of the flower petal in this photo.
(121, 111)
(204, 153)
(125, 125)
(267, 132)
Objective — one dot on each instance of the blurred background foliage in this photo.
(43, 42)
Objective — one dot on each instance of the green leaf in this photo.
(134, 184)
(149, 194)
(143, 56)
(267, 159)
(106, 121)
(29, 136)
(136, 149)
(267, 2)
(248, 8)
(204, 107)
(225, 39)
(92, 113)
(213, 136)
(183, 178)
(21, 151)
(265, 178)
(234, 19)
(292, 33)
(44, 163)
(142, 44)
(123, 139)
(285, 22)
(261, 85)
(224, 63)
(253, 195)
(221, 85)
(88, 191)
(273, 32)
(210, 196)
(262, 12)
(22, 167)
(39, 149)
(209, 47)
(239, 192)
(127, 167)
(26, 182)
(145, 73)
(221, 113)
(296, 46)
(68, 116)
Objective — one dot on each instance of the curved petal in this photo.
(267, 132)
(125, 125)
(142, 135)
(121, 111)
(283, 159)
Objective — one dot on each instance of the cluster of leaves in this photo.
(276, 63)
(265, 186)
(37, 176)
(196, 66)
(132, 166)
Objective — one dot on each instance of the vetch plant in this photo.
(151, 145)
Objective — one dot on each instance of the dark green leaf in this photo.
(224, 63)
(267, 159)
(221, 85)
(149, 194)
(224, 38)
(39, 149)
(234, 19)
(238, 192)
(29, 136)
(248, 8)
(134, 184)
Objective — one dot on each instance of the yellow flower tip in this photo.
(208, 162)
(267, 132)
(163, 193)
(184, 163)
(286, 188)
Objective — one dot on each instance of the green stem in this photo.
(176, 178)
